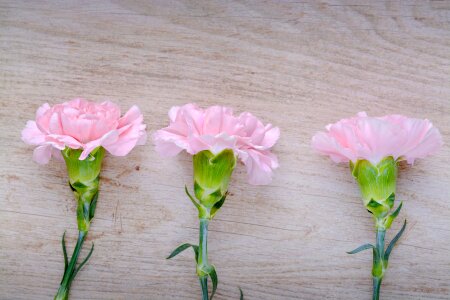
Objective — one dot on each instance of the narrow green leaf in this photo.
(195, 247)
(397, 211)
(393, 242)
(92, 206)
(391, 217)
(78, 185)
(390, 200)
(242, 294)
(218, 205)
(83, 262)
(214, 280)
(373, 204)
(181, 248)
(190, 197)
(361, 248)
(66, 260)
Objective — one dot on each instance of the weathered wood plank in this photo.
(297, 64)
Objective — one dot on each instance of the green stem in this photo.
(376, 288)
(379, 266)
(204, 285)
(64, 288)
(202, 262)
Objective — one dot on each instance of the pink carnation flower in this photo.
(373, 138)
(80, 124)
(195, 129)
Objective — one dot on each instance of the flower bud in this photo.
(377, 184)
(84, 181)
(212, 173)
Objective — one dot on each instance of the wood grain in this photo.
(296, 64)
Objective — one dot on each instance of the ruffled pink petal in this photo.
(212, 120)
(42, 154)
(428, 145)
(271, 136)
(374, 138)
(259, 165)
(54, 126)
(32, 135)
(173, 113)
(84, 130)
(132, 116)
(168, 144)
(325, 144)
(255, 134)
(87, 125)
(109, 138)
(166, 148)
(215, 144)
(215, 128)
(183, 129)
(131, 130)
(42, 110)
(61, 141)
(56, 153)
(112, 109)
(189, 120)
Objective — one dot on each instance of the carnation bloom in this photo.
(216, 128)
(374, 146)
(80, 124)
(374, 138)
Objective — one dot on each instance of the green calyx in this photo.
(377, 184)
(212, 174)
(84, 181)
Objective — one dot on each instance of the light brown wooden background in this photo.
(296, 64)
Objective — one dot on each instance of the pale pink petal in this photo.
(169, 144)
(80, 124)
(69, 123)
(260, 166)
(133, 115)
(112, 109)
(215, 129)
(271, 136)
(83, 131)
(42, 154)
(109, 138)
(166, 148)
(182, 132)
(329, 146)
(32, 135)
(428, 145)
(54, 126)
(173, 113)
(61, 141)
(190, 119)
(195, 144)
(131, 131)
(212, 120)
(42, 110)
(56, 153)
(374, 138)
(217, 143)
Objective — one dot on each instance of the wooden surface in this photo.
(296, 64)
